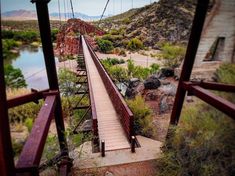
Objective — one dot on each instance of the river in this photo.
(31, 62)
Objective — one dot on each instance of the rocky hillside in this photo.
(68, 37)
(165, 20)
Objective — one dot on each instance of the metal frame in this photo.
(28, 163)
(198, 89)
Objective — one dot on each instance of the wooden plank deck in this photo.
(109, 125)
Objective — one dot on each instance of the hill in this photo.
(168, 20)
(32, 15)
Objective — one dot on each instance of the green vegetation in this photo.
(172, 54)
(135, 44)
(67, 82)
(112, 61)
(105, 46)
(24, 36)
(28, 25)
(121, 74)
(140, 72)
(7, 46)
(143, 117)
(203, 143)
(14, 77)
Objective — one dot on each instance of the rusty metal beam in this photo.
(220, 103)
(199, 18)
(6, 153)
(20, 100)
(45, 32)
(32, 151)
(214, 86)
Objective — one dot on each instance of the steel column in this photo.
(45, 32)
(194, 40)
(7, 167)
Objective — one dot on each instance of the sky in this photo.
(88, 7)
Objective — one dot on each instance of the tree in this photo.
(67, 82)
(14, 77)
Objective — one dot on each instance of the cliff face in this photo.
(68, 37)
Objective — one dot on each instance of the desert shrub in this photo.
(7, 46)
(202, 144)
(126, 20)
(122, 53)
(172, 54)
(14, 77)
(17, 147)
(105, 46)
(54, 33)
(135, 44)
(67, 82)
(226, 73)
(21, 113)
(143, 117)
(112, 61)
(118, 73)
(28, 123)
(139, 71)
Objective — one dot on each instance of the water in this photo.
(31, 62)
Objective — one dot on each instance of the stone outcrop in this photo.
(68, 37)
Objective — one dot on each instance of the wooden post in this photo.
(102, 148)
(133, 144)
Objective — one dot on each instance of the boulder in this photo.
(166, 72)
(152, 83)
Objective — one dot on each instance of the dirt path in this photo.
(139, 59)
(147, 168)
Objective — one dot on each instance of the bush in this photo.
(67, 82)
(143, 117)
(172, 54)
(29, 123)
(14, 77)
(26, 36)
(112, 61)
(135, 44)
(105, 45)
(203, 143)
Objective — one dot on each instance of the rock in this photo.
(135, 87)
(169, 89)
(107, 173)
(166, 72)
(152, 83)
(150, 96)
(86, 126)
(163, 105)
(67, 42)
(133, 82)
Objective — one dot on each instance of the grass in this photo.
(143, 117)
(203, 142)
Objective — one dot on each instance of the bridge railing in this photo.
(126, 116)
(92, 102)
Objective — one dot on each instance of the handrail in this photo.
(30, 97)
(32, 151)
(126, 116)
(92, 100)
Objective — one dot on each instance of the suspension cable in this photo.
(65, 16)
(59, 11)
(103, 11)
(71, 3)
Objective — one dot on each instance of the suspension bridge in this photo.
(112, 120)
